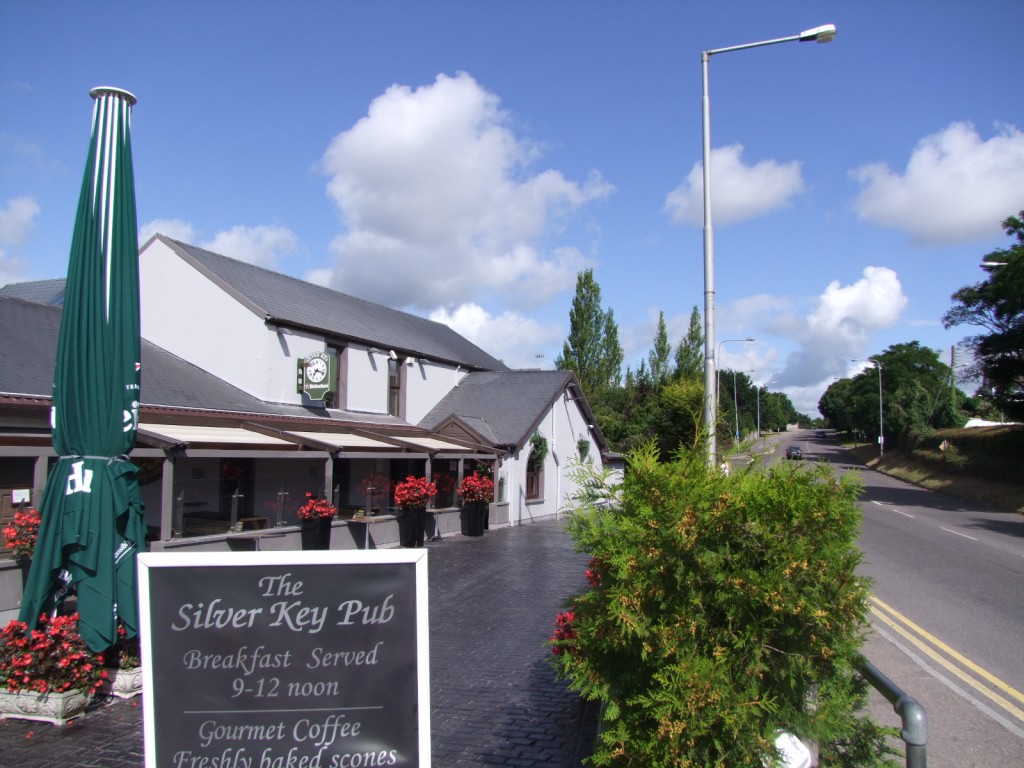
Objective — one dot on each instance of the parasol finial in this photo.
(126, 95)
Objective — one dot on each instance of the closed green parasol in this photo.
(92, 522)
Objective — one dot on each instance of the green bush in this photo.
(720, 608)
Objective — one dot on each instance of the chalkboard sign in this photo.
(285, 659)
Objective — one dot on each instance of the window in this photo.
(535, 475)
(336, 397)
(395, 388)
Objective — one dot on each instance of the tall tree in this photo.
(690, 352)
(660, 354)
(592, 349)
(681, 404)
(915, 395)
(997, 305)
(611, 352)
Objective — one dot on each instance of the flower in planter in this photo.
(476, 487)
(22, 532)
(315, 507)
(414, 492)
(52, 658)
(128, 651)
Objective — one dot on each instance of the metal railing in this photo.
(912, 715)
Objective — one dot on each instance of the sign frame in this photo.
(316, 375)
(151, 569)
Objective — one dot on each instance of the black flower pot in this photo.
(412, 524)
(473, 515)
(316, 533)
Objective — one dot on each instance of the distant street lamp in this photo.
(881, 429)
(821, 34)
(718, 377)
(735, 405)
(765, 387)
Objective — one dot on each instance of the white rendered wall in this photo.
(426, 383)
(185, 313)
(367, 385)
(562, 426)
(190, 316)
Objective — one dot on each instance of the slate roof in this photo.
(49, 292)
(509, 404)
(501, 405)
(28, 349)
(289, 301)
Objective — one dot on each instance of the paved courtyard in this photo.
(494, 696)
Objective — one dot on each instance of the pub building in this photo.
(259, 388)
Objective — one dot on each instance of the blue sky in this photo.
(464, 160)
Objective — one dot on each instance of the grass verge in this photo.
(1007, 496)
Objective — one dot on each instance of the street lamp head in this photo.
(866, 360)
(823, 34)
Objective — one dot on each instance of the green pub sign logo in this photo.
(316, 375)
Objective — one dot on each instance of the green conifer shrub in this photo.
(722, 610)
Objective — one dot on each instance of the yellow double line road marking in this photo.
(945, 656)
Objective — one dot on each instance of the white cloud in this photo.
(802, 345)
(176, 229)
(12, 270)
(17, 220)
(839, 326)
(805, 399)
(438, 207)
(260, 245)
(956, 187)
(511, 337)
(319, 277)
(738, 191)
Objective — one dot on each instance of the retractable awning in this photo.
(431, 444)
(375, 440)
(263, 436)
(189, 434)
(341, 440)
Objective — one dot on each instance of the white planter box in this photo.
(56, 708)
(123, 683)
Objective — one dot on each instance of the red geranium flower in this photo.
(414, 492)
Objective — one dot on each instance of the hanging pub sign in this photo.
(316, 374)
(285, 659)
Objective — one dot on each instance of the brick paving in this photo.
(494, 696)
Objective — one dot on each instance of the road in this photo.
(947, 608)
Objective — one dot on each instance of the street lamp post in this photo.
(735, 406)
(881, 422)
(718, 372)
(718, 380)
(881, 428)
(821, 34)
(760, 387)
